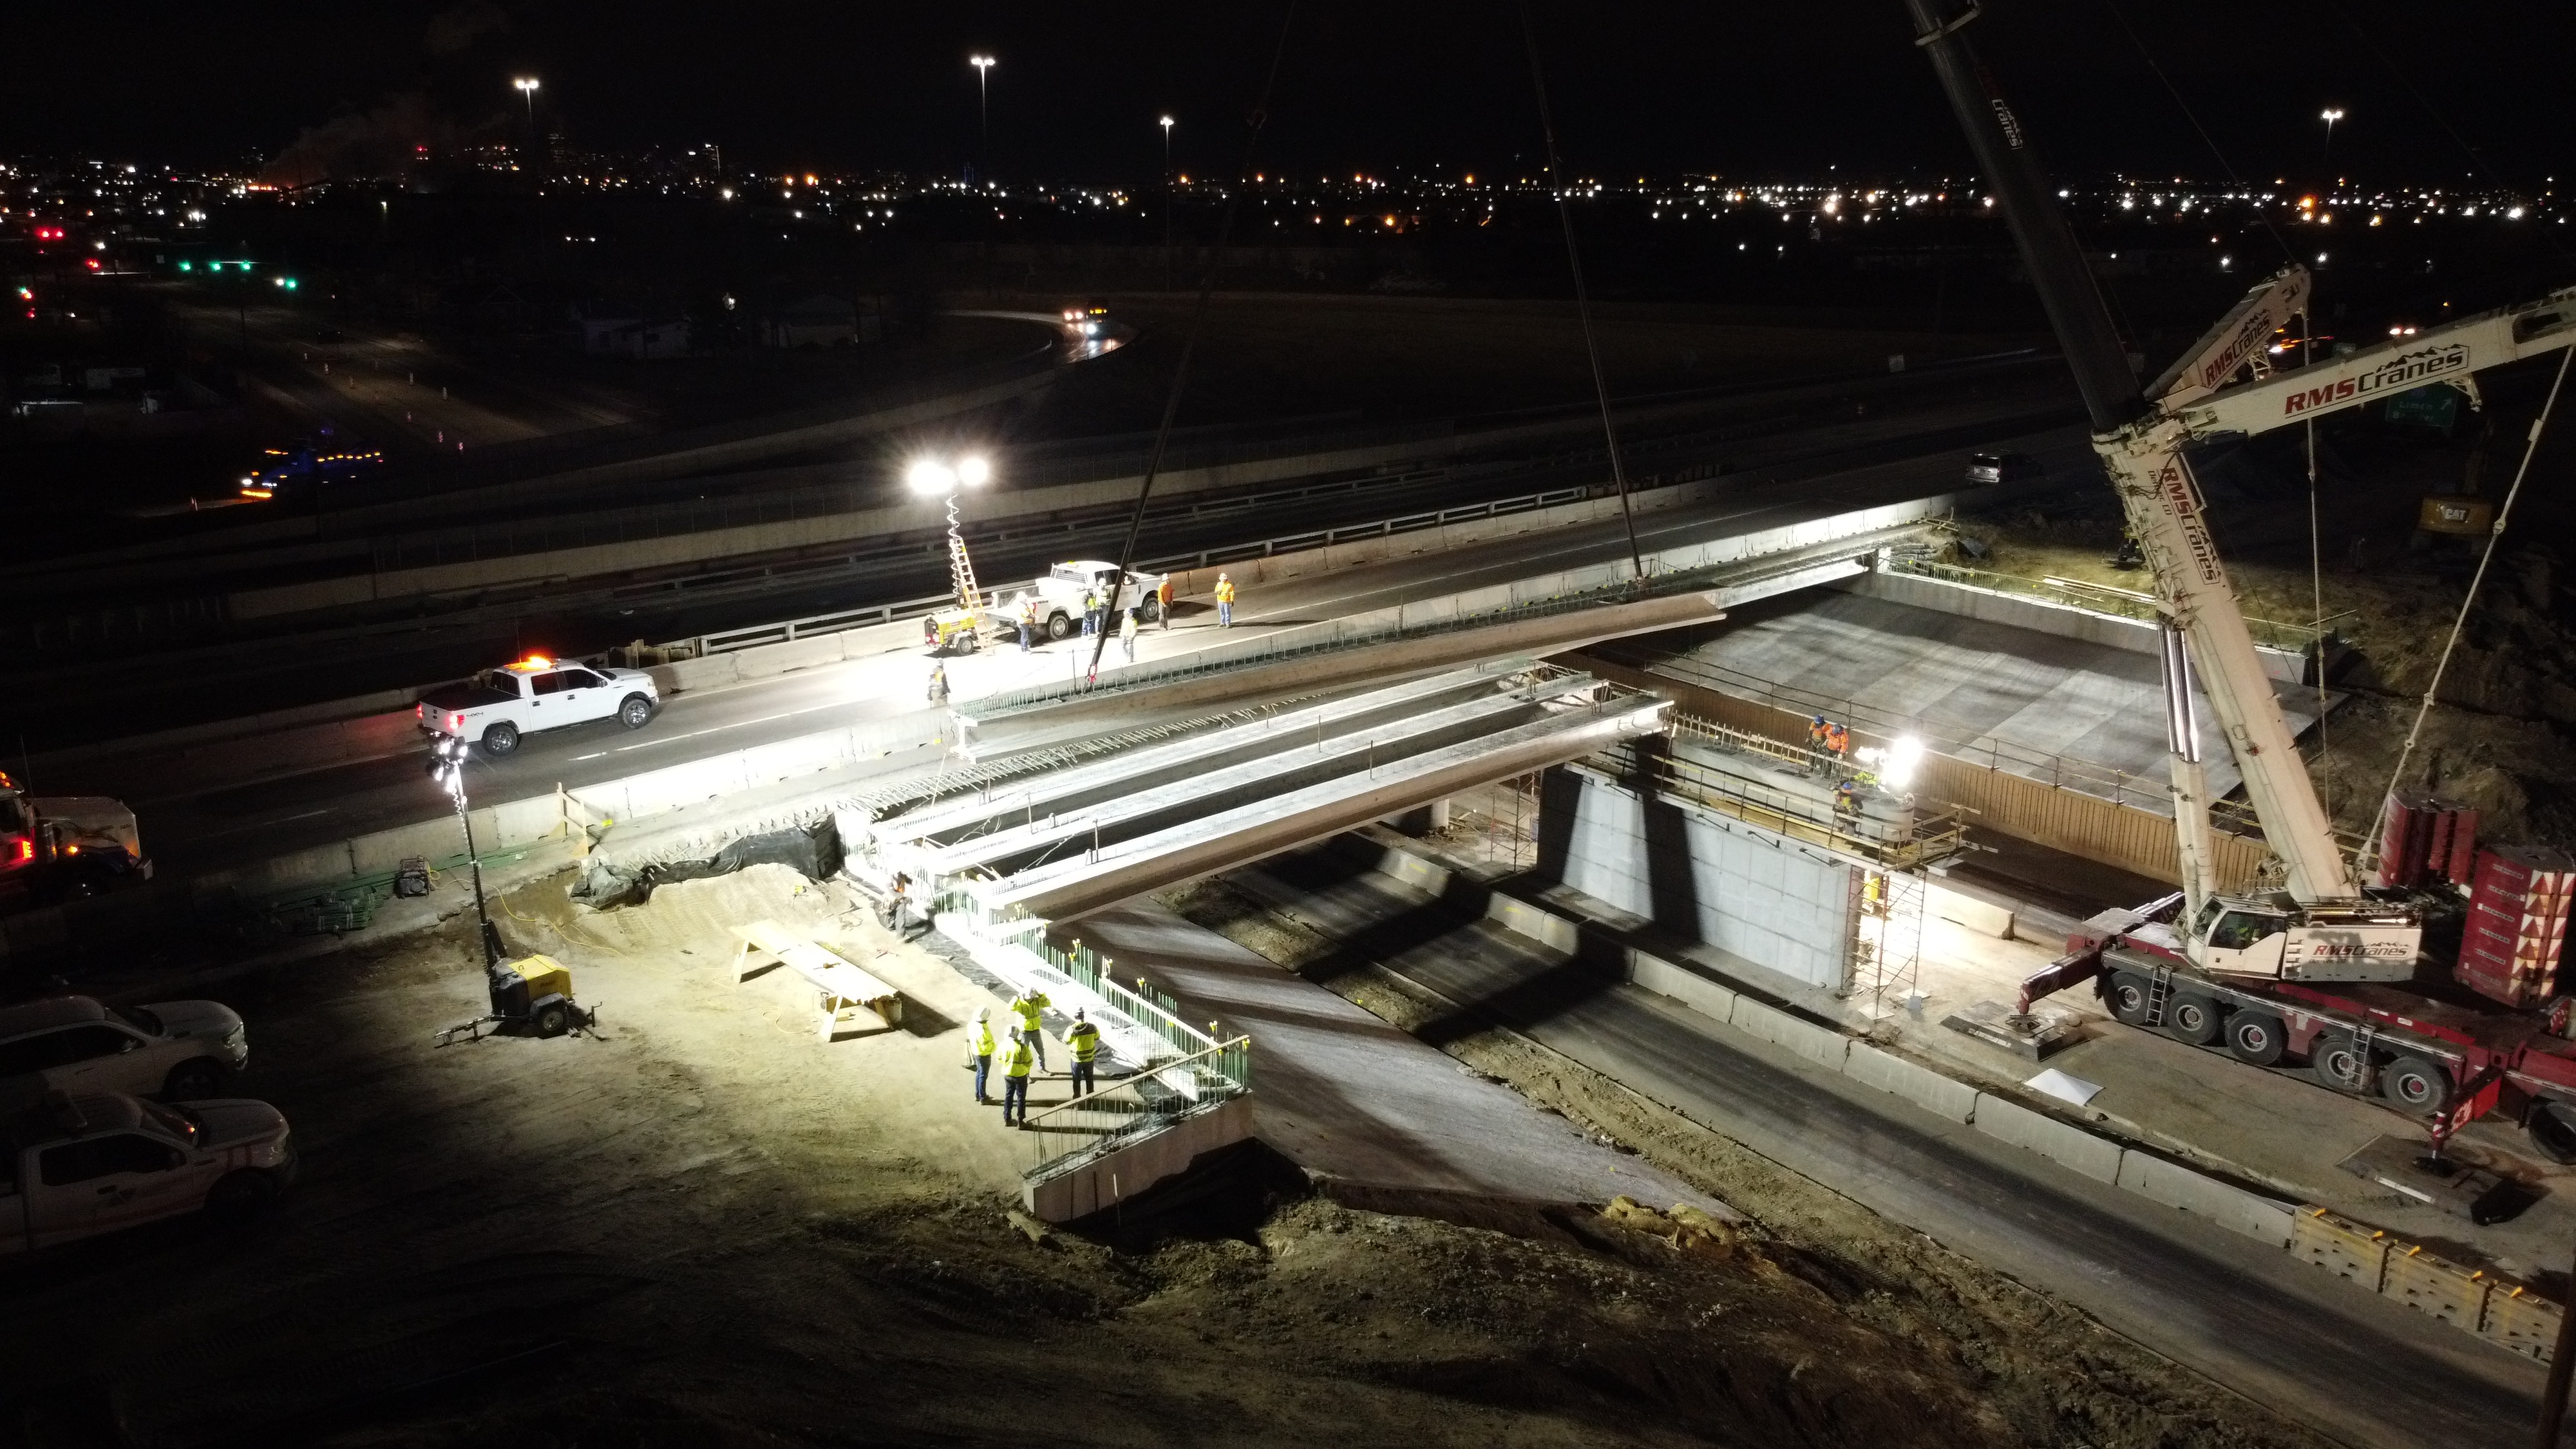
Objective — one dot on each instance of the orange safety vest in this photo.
(1837, 739)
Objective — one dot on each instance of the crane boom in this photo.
(2376, 373)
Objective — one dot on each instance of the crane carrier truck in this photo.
(2448, 1007)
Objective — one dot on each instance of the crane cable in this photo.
(1582, 298)
(1189, 347)
(2371, 843)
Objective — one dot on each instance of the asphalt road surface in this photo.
(2359, 1367)
(212, 822)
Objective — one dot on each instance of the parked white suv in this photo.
(74, 1165)
(175, 1049)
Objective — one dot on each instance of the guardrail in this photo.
(813, 625)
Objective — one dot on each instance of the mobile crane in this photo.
(2321, 967)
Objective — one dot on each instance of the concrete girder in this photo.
(1281, 765)
(1057, 790)
(1127, 869)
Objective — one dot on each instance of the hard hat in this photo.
(983, 1013)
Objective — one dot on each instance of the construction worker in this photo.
(1847, 801)
(1082, 1040)
(1837, 741)
(939, 686)
(1127, 633)
(979, 1051)
(1015, 1080)
(1090, 612)
(1224, 601)
(1027, 1006)
(1816, 734)
(1163, 602)
(1028, 612)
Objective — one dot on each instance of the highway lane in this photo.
(213, 822)
(2359, 1367)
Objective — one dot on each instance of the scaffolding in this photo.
(1887, 937)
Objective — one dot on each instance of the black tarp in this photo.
(813, 851)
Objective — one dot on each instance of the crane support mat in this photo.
(843, 986)
(2462, 1189)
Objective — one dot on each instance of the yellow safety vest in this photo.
(1017, 1061)
(1225, 591)
(983, 1039)
(1084, 1039)
(1027, 1008)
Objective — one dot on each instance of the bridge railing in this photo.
(1062, 1137)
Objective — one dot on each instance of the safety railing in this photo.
(1907, 845)
(959, 911)
(1063, 1136)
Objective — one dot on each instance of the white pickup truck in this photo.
(498, 707)
(78, 1165)
(1059, 594)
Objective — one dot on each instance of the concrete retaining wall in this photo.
(2067, 621)
(2095, 1157)
(1111, 1179)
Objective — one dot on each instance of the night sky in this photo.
(1742, 88)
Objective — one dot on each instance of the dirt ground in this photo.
(703, 1227)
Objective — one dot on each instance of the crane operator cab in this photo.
(2275, 937)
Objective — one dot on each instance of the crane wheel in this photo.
(2193, 1018)
(2256, 1037)
(2552, 1128)
(2127, 996)
(2338, 1063)
(2415, 1083)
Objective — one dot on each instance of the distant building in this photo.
(614, 332)
(822, 320)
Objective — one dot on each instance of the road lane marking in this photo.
(594, 755)
(716, 729)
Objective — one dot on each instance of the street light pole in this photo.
(526, 86)
(1167, 203)
(2330, 115)
(983, 114)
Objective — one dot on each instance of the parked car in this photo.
(176, 1049)
(75, 1165)
(1988, 469)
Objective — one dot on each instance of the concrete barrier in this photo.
(1820, 1045)
(1922, 1086)
(1683, 983)
(2073, 1147)
(1983, 917)
(1545, 927)
(2233, 1208)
